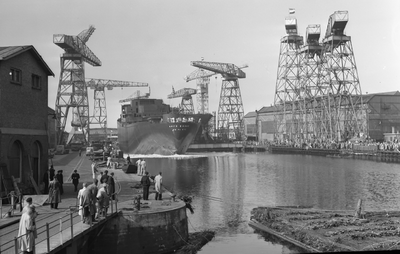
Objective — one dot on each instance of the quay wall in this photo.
(144, 232)
(364, 153)
(225, 147)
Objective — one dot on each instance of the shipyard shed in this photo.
(250, 126)
(23, 117)
(381, 112)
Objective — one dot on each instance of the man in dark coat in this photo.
(111, 186)
(104, 177)
(46, 182)
(60, 179)
(145, 181)
(75, 179)
(52, 172)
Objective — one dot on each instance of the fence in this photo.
(47, 233)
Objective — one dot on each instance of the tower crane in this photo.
(72, 90)
(230, 109)
(99, 116)
(202, 78)
(186, 106)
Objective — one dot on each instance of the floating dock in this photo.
(330, 231)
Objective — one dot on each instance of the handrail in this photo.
(46, 234)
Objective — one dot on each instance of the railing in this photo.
(51, 229)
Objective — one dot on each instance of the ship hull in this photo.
(156, 138)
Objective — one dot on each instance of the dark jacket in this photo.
(75, 178)
(145, 181)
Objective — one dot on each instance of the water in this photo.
(226, 187)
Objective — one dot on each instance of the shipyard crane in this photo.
(72, 89)
(99, 116)
(230, 109)
(343, 97)
(136, 95)
(186, 106)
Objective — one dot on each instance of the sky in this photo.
(154, 41)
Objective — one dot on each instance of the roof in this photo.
(12, 51)
(367, 97)
(267, 109)
(250, 114)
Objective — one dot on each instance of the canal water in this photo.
(227, 186)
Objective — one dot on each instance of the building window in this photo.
(36, 82)
(15, 76)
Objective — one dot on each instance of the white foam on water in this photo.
(177, 156)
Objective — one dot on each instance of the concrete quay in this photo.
(67, 234)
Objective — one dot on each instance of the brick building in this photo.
(23, 116)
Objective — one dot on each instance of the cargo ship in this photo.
(148, 126)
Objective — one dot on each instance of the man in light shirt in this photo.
(139, 165)
(143, 167)
(158, 186)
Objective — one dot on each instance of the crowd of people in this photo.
(345, 145)
(94, 199)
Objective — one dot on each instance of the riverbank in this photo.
(330, 231)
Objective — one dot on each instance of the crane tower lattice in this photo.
(318, 93)
(72, 90)
(99, 116)
(230, 109)
(186, 106)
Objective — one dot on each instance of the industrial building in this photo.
(23, 116)
(381, 112)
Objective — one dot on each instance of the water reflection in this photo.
(227, 186)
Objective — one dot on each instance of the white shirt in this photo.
(158, 180)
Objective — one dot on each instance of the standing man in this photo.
(80, 152)
(109, 162)
(26, 232)
(94, 170)
(52, 173)
(158, 186)
(46, 181)
(138, 165)
(54, 193)
(75, 179)
(80, 197)
(60, 179)
(128, 160)
(143, 167)
(111, 186)
(145, 181)
(104, 177)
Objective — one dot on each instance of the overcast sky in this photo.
(154, 41)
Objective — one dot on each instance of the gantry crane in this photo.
(230, 109)
(287, 91)
(343, 100)
(136, 95)
(99, 116)
(318, 94)
(186, 106)
(72, 89)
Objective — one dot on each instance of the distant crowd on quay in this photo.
(346, 145)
